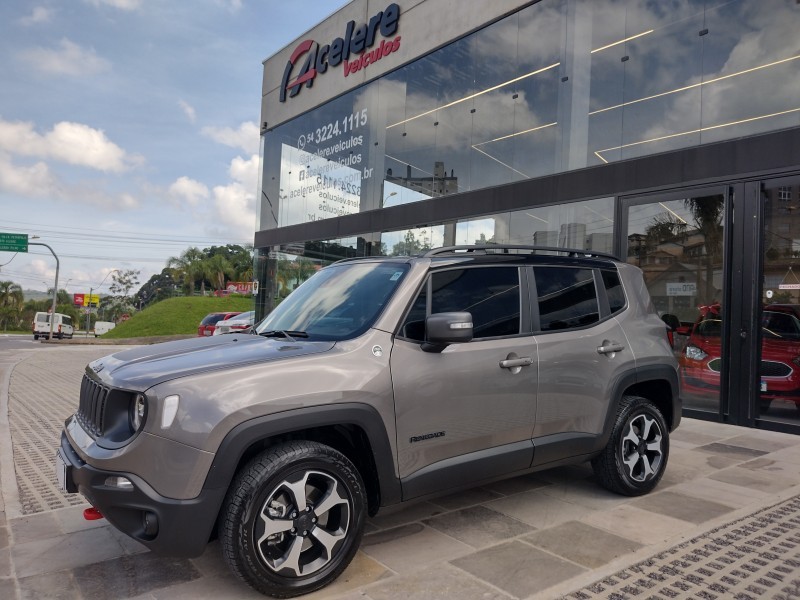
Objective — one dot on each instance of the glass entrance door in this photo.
(778, 383)
(679, 240)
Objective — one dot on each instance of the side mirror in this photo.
(443, 329)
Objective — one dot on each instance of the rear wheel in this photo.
(635, 457)
(293, 519)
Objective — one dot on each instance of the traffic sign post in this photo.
(14, 242)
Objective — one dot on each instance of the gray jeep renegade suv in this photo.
(378, 381)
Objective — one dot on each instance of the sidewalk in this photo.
(723, 523)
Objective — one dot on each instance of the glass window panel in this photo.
(614, 291)
(678, 245)
(567, 298)
(410, 242)
(585, 225)
(779, 350)
(491, 295)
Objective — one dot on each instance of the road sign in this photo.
(14, 242)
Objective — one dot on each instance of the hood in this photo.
(141, 368)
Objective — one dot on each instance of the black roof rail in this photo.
(504, 249)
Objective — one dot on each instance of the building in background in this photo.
(666, 133)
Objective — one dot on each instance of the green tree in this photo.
(411, 246)
(188, 268)
(11, 302)
(215, 268)
(122, 282)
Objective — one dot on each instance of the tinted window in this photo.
(567, 298)
(212, 319)
(614, 291)
(491, 295)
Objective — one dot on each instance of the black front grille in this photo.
(771, 368)
(92, 407)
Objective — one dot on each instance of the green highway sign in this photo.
(14, 242)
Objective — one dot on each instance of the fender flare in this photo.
(250, 432)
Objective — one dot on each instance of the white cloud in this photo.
(68, 58)
(246, 137)
(193, 192)
(235, 204)
(120, 4)
(30, 181)
(188, 110)
(40, 14)
(71, 143)
(231, 5)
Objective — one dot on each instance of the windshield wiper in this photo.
(289, 335)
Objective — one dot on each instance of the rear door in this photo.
(582, 352)
(461, 416)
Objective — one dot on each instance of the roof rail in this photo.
(504, 249)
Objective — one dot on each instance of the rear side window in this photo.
(567, 298)
(211, 319)
(490, 294)
(614, 291)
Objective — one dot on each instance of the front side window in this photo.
(491, 295)
(567, 298)
(339, 302)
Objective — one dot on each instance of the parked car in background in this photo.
(209, 322)
(779, 369)
(62, 326)
(236, 324)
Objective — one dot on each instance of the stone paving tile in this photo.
(129, 576)
(518, 568)
(439, 583)
(465, 498)
(65, 552)
(363, 571)
(766, 441)
(517, 485)
(754, 557)
(702, 461)
(8, 588)
(752, 479)
(682, 506)
(5, 563)
(478, 526)
(637, 524)
(731, 450)
(402, 516)
(585, 492)
(719, 491)
(411, 547)
(582, 543)
(51, 586)
(36, 527)
(693, 438)
(538, 509)
(768, 465)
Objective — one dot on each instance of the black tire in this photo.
(635, 457)
(35, 338)
(309, 546)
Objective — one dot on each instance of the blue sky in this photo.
(128, 128)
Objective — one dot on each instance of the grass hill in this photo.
(176, 316)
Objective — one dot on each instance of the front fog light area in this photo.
(122, 483)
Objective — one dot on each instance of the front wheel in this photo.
(635, 457)
(293, 519)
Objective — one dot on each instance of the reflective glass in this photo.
(678, 244)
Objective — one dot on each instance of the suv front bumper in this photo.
(166, 526)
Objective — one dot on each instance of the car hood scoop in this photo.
(143, 367)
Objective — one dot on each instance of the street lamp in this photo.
(55, 285)
(91, 289)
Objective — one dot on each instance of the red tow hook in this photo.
(92, 514)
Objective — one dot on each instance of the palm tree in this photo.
(188, 268)
(216, 268)
(11, 301)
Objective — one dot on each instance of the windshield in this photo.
(338, 303)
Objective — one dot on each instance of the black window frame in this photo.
(604, 312)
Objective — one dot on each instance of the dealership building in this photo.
(666, 133)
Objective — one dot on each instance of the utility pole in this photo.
(55, 285)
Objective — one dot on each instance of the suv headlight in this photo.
(137, 412)
(695, 353)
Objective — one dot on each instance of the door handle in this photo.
(510, 363)
(610, 347)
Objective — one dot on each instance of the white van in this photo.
(62, 326)
(101, 327)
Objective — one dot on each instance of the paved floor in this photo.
(724, 523)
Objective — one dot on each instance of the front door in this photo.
(462, 416)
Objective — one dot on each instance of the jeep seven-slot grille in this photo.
(92, 407)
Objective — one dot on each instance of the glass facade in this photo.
(557, 86)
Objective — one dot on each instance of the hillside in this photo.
(176, 316)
